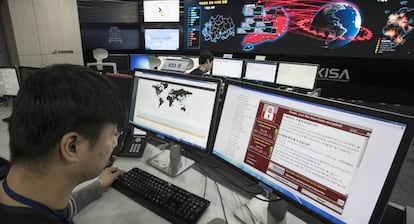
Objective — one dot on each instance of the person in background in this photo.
(205, 61)
(63, 128)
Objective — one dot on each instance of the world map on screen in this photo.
(175, 97)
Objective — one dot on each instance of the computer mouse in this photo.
(217, 221)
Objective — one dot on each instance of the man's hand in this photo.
(109, 175)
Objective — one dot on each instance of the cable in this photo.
(221, 201)
(250, 213)
(203, 172)
(267, 200)
(205, 186)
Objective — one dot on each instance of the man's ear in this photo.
(69, 146)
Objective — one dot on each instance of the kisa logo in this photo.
(334, 74)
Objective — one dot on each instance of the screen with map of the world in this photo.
(176, 106)
(362, 29)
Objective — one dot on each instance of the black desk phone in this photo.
(130, 144)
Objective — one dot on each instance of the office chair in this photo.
(99, 54)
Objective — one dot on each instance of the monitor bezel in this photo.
(213, 118)
(247, 61)
(391, 178)
(16, 69)
(294, 87)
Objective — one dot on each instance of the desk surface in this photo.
(114, 207)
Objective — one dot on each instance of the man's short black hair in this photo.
(59, 99)
(204, 56)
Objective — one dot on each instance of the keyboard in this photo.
(171, 202)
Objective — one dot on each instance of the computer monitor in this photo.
(124, 84)
(334, 160)
(111, 36)
(262, 71)
(178, 107)
(9, 81)
(139, 61)
(162, 39)
(161, 10)
(299, 76)
(227, 68)
(25, 72)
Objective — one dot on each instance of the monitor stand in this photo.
(170, 161)
(260, 210)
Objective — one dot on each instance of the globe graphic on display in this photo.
(338, 23)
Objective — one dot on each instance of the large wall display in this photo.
(363, 29)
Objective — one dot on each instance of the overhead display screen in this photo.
(368, 29)
(161, 10)
(162, 39)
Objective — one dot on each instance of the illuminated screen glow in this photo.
(161, 10)
(162, 39)
(176, 106)
(322, 156)
(338, 28)
(298, 75)
(9, 81)
(260, 71)
(139, 61)
(225, 67)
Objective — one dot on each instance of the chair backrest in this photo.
(99, 54)
(103, 66)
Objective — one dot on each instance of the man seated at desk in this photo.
(62, 129)
(205, 61)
